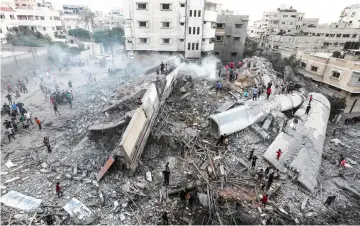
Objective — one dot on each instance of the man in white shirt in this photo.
(28, 117)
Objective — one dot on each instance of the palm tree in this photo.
(88, 18)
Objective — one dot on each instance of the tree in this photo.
(251, 46)
(109, 36)
(88, 18)
(20, 36)
(79, 33)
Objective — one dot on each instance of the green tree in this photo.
(79, 33)
(20, 36)
(88, 18)
(109, 36)
(251, 46)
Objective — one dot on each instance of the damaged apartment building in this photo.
(193, 28)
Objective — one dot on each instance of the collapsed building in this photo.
(177, 121)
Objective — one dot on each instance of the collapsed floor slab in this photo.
(302, 143)
(241, 117)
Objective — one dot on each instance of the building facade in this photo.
(230, 35)
(114, 18)
(25, 4)
(7, 3)
(183, 26)
(310, 36)
(45, 20)
(339, 77)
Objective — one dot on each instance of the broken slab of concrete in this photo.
(225, 106)
(260, 131)
(107, 126)
(241, 117)
(302, 146)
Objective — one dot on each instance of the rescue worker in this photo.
(47, 144)
(253, 163)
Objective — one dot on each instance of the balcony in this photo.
(208, 31)
(205, 47)
(210, 16)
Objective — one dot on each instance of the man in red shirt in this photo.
(38, 122)
(268, 92)
(264, 200)
(58, 190)
(278, 154)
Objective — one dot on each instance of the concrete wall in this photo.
(223, 49)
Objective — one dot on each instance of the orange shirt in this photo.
(38, 121)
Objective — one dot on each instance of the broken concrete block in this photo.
(122, 217)
(297, 221)
(11, 180)
(267, 123)
(183, 90)
(352, 162)
(225, 106)
(44, 165)
(95, 183)
(10, 164)
(303, 204)
(140, 185)
(68, 176)
(203, 199)
(336, 141)
(45, 170)
(148, 176)
(261, 132)
(116, 204)
(184, 96)
(75, 170)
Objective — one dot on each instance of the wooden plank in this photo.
(105, 168)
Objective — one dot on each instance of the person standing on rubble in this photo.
(253, 163)
(260, 176)
(69, 99)
(56, 109)
(264, 200)
(58, 190)
(9, 98)
(329, 200)
(268, 92)
(218, 86)
(223, 140)
(10, 133)
(166, 174)
(255, 91)
(165, 218)
(162, 67)
(270, 181)
(310, 99)
(70, 84)
(278, 154)
(267, 170)
(38, 122)
(251, 155)
(6, 108)
(47, 144)
(307, 109)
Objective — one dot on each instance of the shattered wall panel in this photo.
(150, 100)
(302, 146)
(133, 131)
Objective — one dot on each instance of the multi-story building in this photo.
(312, 36)
(114, 18)
(24, 4)
(230, 35)
(183, 26)
(43, 19)
(351, 16)
(339, 77)
(72, 9)
(7, 3)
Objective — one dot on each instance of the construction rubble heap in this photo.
(110, 156)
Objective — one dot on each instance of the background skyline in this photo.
(326, 11)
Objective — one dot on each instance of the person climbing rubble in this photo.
(9, 132)
(278, 154)
(58, 190)
(307, 109)
(310, 99)
(267, 170)
(28, 117)
(165, 218)
(253, 163)
(47, 144)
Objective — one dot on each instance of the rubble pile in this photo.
(225, 187)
